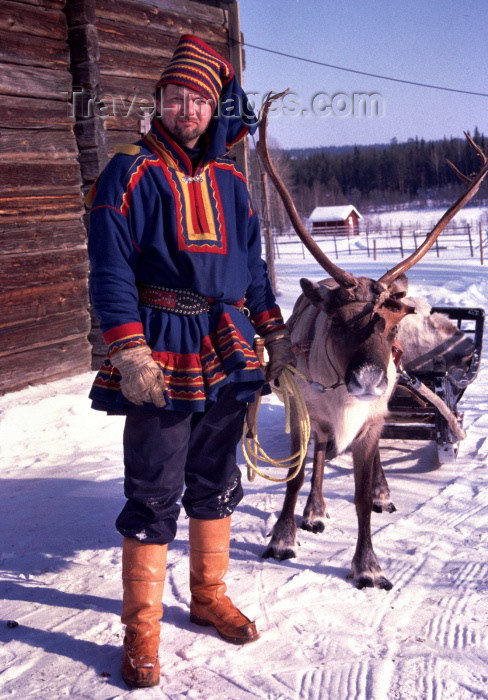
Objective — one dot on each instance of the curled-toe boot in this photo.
(143, 572)
(209, 561)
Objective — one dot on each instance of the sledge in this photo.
(412, 416)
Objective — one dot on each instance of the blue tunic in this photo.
(157, 220)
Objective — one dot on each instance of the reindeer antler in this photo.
(345, 279)
(473, 187)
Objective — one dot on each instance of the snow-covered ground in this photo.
(320, 637)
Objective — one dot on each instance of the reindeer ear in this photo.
(399, 288)
(317, 294)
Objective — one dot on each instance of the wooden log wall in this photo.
(43, 264)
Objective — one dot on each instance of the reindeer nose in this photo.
(367, 382)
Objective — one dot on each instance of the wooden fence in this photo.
(401, 240)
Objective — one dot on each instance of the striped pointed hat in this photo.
(196, 66)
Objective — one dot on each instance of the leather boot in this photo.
(209, 560)
(143, 572)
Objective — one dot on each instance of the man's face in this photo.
(185, 114)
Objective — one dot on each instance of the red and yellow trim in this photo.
(268, 321)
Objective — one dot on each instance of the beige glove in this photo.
(278, 347)
(142, 379)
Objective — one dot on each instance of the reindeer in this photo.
(343, 331)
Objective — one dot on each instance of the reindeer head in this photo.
(362, 327)
(364, 313)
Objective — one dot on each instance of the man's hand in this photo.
(142, 379)
(278, 347)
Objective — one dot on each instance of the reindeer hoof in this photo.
(383, 506)
(370, 581)
(279, 554)
(364, 582)
(313, 525)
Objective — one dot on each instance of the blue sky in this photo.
(438, 42)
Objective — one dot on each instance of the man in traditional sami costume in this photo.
(180, 289)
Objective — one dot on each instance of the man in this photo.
(180, 289)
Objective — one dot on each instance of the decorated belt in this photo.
(178, 301)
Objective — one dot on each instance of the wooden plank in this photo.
(29, 304)
(128, 86)
(144, 12)
(44, 331)
(42, 236)
(62, 359)
(39, 177)
(20, 144)
(32, 19)
(34, 208)
(50, 4)
(162, 35)
(34, 82)
(127, 62)
(33, 113)
(21, 49)
(45, 268)
(122, 11)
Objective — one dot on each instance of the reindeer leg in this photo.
(284, 535)
(315, 511)
(381, 490)
(365, 568)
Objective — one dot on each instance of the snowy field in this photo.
(321, 639)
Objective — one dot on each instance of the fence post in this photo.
(335, 246)
(437, 246)
(482, 254)
(401, 240)
(367, 239)
(470, 240)
(374, 249)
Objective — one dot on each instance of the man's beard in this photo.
(184, 134)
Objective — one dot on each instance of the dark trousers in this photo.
(167, 453)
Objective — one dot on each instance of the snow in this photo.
(320, 637)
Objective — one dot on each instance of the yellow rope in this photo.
(251, 447)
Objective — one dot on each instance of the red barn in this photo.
(342, 219)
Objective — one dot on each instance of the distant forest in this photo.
(372, 177)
